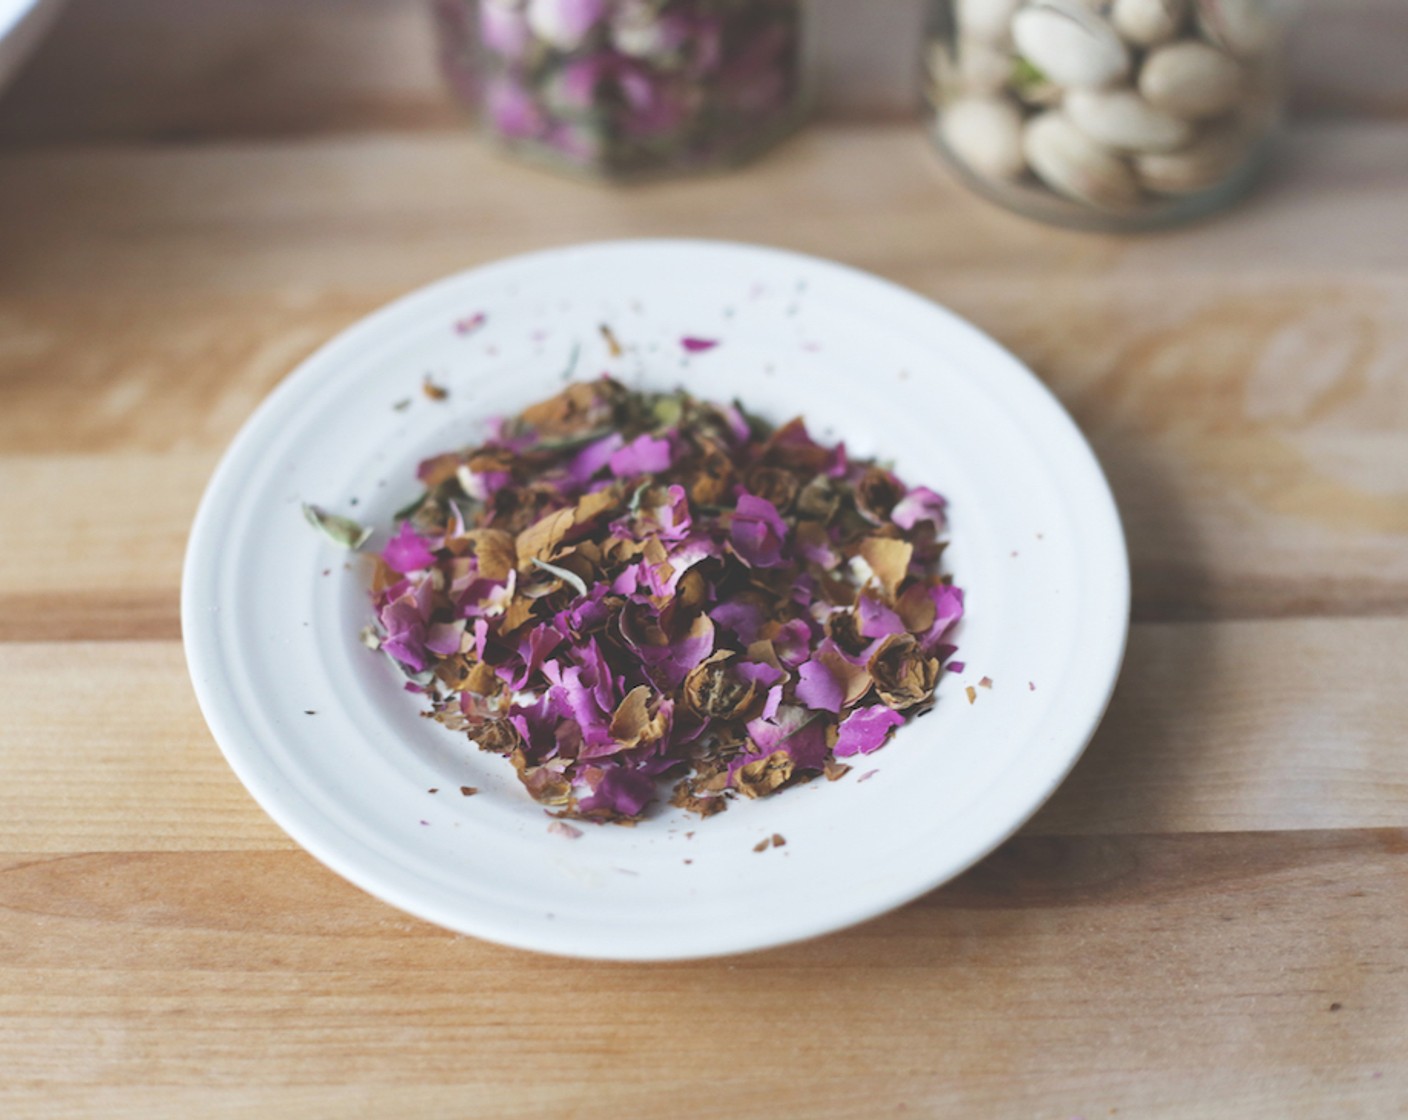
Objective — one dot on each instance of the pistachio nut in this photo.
(1071, 163)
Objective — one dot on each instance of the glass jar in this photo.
(1107, 114)
(456, 32)
(631, 88)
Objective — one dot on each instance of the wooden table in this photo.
(1207, 921)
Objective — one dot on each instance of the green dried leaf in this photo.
(410, 509)
(573, 443)
(564, 574)
(342, 531)
(572, 362)
(667, 411)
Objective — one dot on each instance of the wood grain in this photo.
(1213, 976)
(1218, 727)
(1251, 419)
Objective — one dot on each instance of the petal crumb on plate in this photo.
(562, 828)
(986, 682)
(971, 693)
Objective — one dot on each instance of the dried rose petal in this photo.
(758, 532)
(865, 730)
(920, 504)
(408, 551)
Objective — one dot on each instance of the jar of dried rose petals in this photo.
(1110, 114)
(630, 88)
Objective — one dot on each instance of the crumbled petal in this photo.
(948, 608)
(408, 551)
(758, 532)
(643, 455)
(593, 459)
(920, 504)
(817, 687)
(620, 792)
(698, 345)
(877, 620)
(443, 638)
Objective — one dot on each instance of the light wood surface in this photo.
(1207, 921)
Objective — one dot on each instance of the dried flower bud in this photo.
(904, 677)
(711, 482)
(877, 494)
(497, 735)
(715, 691)
(775, 484)
(819, 499)
(765, 775)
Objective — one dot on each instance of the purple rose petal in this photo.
(865, 730)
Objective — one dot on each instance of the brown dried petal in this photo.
(784, 450)
(855, 680)
(889, 560)
(581, 407)
(916, 609)
(834, 770)
(485, 460)
(543, 538)
(519, 612)
(437, 471)
(637, 719)
(542, 782)
(686, 796)
(495, 551)
(691, 590)
(712, 481)
(481, 680)
(904, 677)
(454, 671)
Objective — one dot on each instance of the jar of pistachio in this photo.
(1112, 114)
(629, 88)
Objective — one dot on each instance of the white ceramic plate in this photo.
(271, 610)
